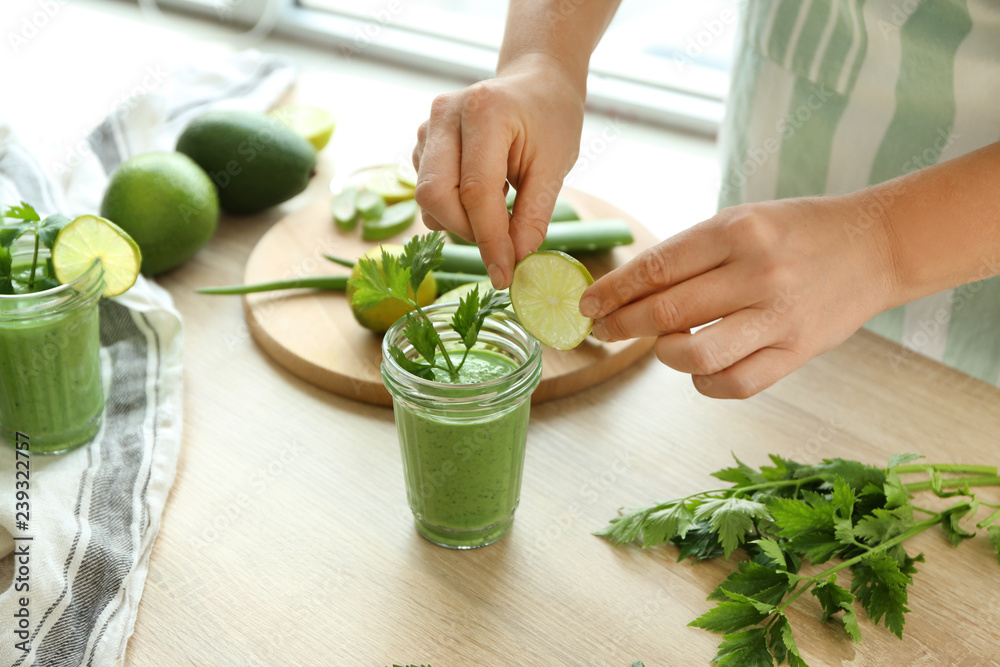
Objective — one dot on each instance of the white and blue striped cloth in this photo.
(95, 511)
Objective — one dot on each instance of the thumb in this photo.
(536, 197)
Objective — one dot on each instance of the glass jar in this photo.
(51, 394)
(463, 444)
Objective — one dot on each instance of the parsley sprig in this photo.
(38, 278)
(399, 277)
(789, 513)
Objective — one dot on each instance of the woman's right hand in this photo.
(521, 128)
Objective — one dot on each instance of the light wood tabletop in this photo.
(287, 539)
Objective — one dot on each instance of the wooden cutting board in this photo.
(315, 336)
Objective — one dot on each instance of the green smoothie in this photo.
(463, 472)
(50, 371)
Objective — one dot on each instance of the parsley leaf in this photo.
(994, 534)
(422, 254)
(667, 523)
(835, 598)
(12, 232)
(410, 366)
(732, 518)
(422, 335)
(741, 475)
(900, 459)
(754, 581)
(50, 228)
(23, 212)
(744, 649)
(880, 587)
(729, 616)
(772, 550)
(464, 319)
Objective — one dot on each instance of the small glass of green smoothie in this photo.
(50, 368)
(463, 441)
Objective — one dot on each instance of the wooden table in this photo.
(287, 539)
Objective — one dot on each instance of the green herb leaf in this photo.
(950, 519)
(755, 581)
(10, 233)
(744, 649)
(900, 459)
(762, 607)
(23, 212)
(667, 523)
(422, 335)
(994, 534)
(700, 543)
(895, 494)
(729, 616)
(880, 586)
(410, 366)
(732, 518)
(624, 528)
(773, 551)
(834, 598)
(422, 254)
(50, 228)
(378, 283)
(6, 263)
(857, 475)
(464, 319)
(741, 475)
(883, 524)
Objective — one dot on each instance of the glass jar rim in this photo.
(61, 297)
(532, 354)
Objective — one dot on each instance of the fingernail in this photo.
(590, 306)
(496, 275)
(600, 331)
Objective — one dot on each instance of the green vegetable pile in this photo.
(789, 513)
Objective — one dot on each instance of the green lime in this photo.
(383, 315)
(313, 123)
(546, 292)
(90, 238)
(457, 294)
(167, 204)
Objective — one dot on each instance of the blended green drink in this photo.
(463, 439)
(50, 369)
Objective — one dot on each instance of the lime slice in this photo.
(383, 180)
(313, 123)
(546, 293)
(394, 220)
(344, 210)
(88, 238)
(370, 205)
(407, 175)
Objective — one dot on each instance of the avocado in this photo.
(255, 161)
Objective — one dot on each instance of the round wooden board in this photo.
(315, 336)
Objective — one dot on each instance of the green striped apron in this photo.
(830, 96)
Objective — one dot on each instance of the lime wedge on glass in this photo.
(546, 293)
(88, 238)
(316, 125)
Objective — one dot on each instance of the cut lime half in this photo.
(546, 293)
(88, 238)
(313, 123)
(383, 180)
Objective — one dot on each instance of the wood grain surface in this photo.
(314, 335)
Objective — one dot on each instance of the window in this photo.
(665, 61)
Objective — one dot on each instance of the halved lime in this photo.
(546, 293)
(88, 238)
(313, 123)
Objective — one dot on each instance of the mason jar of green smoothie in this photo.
(463, 441)
(51, 392)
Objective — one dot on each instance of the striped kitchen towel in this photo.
(72, 580)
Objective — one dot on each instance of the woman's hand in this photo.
(781, 282)
(521, 128)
